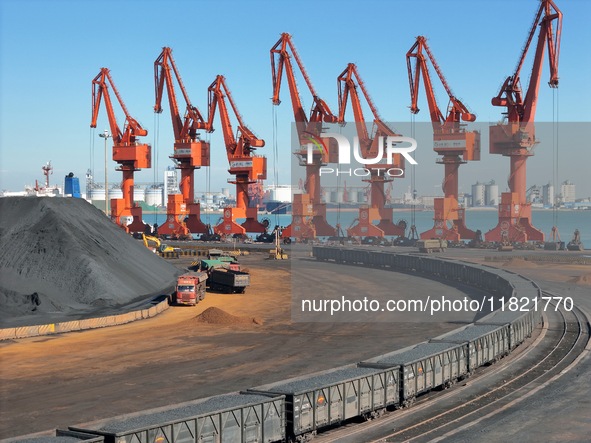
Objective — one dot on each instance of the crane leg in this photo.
(514, 222)
(137, 225)
(193, 220)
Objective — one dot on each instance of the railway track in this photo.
(439, 415)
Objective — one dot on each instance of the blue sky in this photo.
(51, 50)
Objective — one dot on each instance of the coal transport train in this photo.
(296, 409)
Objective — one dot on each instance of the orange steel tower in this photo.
(190, 153)
(450, 140)
(348, 81)
(515, 137)
(127, 151)
(247, 167)
(308, 211)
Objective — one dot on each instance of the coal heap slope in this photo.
(63, 256)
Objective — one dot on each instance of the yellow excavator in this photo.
(160, 247)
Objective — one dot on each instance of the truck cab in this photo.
(190, 289)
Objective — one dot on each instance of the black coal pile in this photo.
(62, 256)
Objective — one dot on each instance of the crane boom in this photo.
(456, 110)
(218, 93)
(100, 89)
(280, 59)
(185, 129)
(520, 108)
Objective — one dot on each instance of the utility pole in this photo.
(106, 135)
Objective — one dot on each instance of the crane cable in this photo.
(275, 159)
(208, 183)
(338, 224)
(413, 226)
(91, 180)
(155, 142)
(555, 119)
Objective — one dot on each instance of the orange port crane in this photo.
(369, 142)
(244, 165)
(308, 210)
(127, 151)
(515, 137)
(450, 140)
(190, 152)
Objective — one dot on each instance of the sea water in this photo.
(484, 219)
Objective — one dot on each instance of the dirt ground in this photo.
(60, 380)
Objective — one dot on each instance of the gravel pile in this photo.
(469, 333)
(584, 279)
(218, 316)
(200, 408)
(62, 256)
(317, 381)
(502, 317)
(48, 440)
(420, 351)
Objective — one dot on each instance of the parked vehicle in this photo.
(160, 247)
(228, 280)
(190, 289)
(432, 245)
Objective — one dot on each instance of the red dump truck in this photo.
(190, 289)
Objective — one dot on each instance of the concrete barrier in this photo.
(27, 331)
(46, 329)
(565, 258)
(84, 324)
(67, 326)
(7, 333)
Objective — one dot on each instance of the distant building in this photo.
(534, 195)
(485, 194)
(410, 197)
(467, 201)
(491, 193)
(280, 193)
(171, 183)
(548, 195)
(567, 192)
(154, 195)
(478, 194)
(428, 200)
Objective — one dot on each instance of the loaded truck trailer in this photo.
(432, 245)
(190, 289)
(228, 280)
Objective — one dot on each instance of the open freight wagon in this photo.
(424, 367)
(230, 418)
(316, 401)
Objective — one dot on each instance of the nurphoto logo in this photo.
(390, 147)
